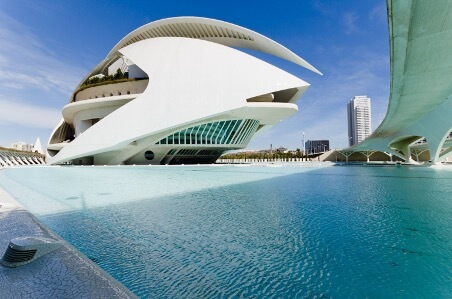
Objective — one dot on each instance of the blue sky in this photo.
(47, 47)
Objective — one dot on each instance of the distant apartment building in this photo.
(22, 146)
(317, 146)
(359, 119)
(281, 150)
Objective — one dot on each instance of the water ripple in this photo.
(336, 232)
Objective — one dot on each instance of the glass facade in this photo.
(225, 132)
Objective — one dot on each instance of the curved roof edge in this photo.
(211, 30)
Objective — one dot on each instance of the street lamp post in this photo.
(304, 149)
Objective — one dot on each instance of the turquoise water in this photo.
(253, 232)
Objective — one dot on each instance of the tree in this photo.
(119, 74)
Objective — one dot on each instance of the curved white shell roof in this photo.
(212, 30)
(193, 81)
(197, 77)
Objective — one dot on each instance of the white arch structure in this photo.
(198, 97)
(420, 104)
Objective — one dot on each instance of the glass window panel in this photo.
(231, 131)
(217, 131)
(238, 133)
(225, 131)
(247, 131)
(197, 134)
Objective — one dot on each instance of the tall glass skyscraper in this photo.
(359, 119)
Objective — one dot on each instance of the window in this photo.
(149, 155)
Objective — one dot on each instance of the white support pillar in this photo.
(346, 154)
(435, 144)
(417, 153)
(367, 154)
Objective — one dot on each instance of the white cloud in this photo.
(18, 80)
(324, 7)
(28, 62)
(378, 13)
(349, 21)
(34, 82)
(22, 114)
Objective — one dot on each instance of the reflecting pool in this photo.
(256, 231)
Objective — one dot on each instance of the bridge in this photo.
(419, 115)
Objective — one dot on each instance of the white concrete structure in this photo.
(190, 96)
(359, 119)
(37, 147)
(9, 158)
(420, 104)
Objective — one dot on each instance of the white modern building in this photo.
(22, 146)
(176, 91)
(359, 119)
